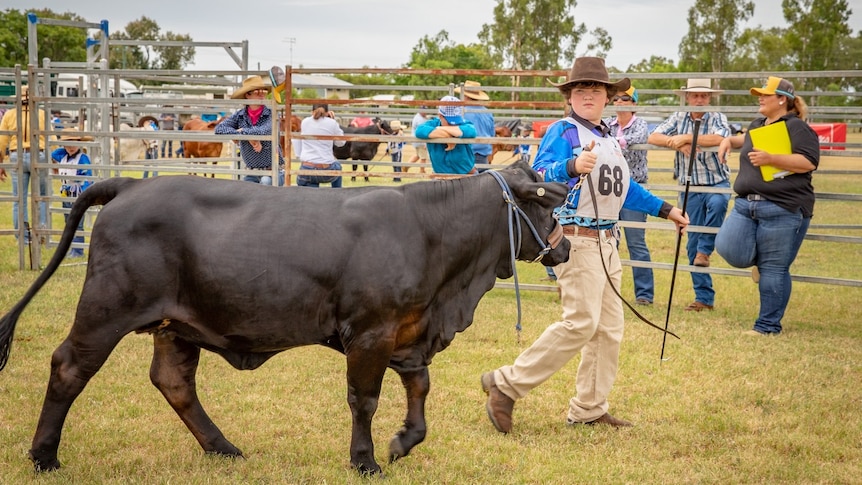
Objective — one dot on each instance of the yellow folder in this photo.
(775, 140)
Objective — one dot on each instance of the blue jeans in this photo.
(396, 158)
(704, 209)
(265, 179)
(316, 180)
(151, 154)
(638, 251)
(480, 160)
(765, 235)
(25, 181)
(75, 252)
(169, 144)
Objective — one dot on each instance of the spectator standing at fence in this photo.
(361, 121)
(522, 151)
(629, 129)
(482, 119)
(168, 122)
(396, 148)
(770, 216)
(704, 208)
(254, 119)
(421, 149)
(72, 185)
(581, 151)
(19, 149)
(317, 154)
(456, 158)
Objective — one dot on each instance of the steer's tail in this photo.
(98, 194)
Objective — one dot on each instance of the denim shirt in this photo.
(241, 119)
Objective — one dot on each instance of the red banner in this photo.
(831, 133)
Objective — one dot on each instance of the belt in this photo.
(754, 197)
(575, 230)
(317, 165)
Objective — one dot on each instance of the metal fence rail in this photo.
(104, 113)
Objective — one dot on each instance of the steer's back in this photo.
(276, 266)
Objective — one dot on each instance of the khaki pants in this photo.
(592, 324)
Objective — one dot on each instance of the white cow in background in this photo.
(136, 148)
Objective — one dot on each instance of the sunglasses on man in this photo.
(624, 97)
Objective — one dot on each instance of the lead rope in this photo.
(602, 256)
(511, 221)
(607, 274)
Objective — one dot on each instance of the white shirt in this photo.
(318, 151)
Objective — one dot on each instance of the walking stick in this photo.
(679, 234)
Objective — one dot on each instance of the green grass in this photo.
(725, 408)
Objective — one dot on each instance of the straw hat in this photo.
(698, 85)
(72, 134)
(472, 91)
(250, 84)
(395, 125)
(591, 70)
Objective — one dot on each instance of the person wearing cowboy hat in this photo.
(19, 149)
(580, 150)
(770, 215)
(456, 158)
(706, 209)
(73, 157)
(482, 119)
(396, 148)
(254, 119)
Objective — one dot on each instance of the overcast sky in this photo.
(381, 33)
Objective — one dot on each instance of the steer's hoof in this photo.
(369, 470)
(44, 464)
(396, 449)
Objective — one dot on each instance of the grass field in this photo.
(725, 408)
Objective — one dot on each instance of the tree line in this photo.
(817, 37)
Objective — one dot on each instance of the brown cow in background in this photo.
(202, 149)
(295, 127)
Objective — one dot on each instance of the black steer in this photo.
(212, 264)
(362, 150)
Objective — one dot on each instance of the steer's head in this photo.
(537, 199)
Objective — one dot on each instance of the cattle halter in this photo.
(554, 237)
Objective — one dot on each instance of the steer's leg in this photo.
(175, 362)
(73, 364)
(365, 369)
(417, 384)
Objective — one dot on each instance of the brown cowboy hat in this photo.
(250, 84)
(591, 70)
(472, 91)
(146, 120)
(72, 134)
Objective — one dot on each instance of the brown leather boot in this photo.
(605, 419)
(499, 406)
